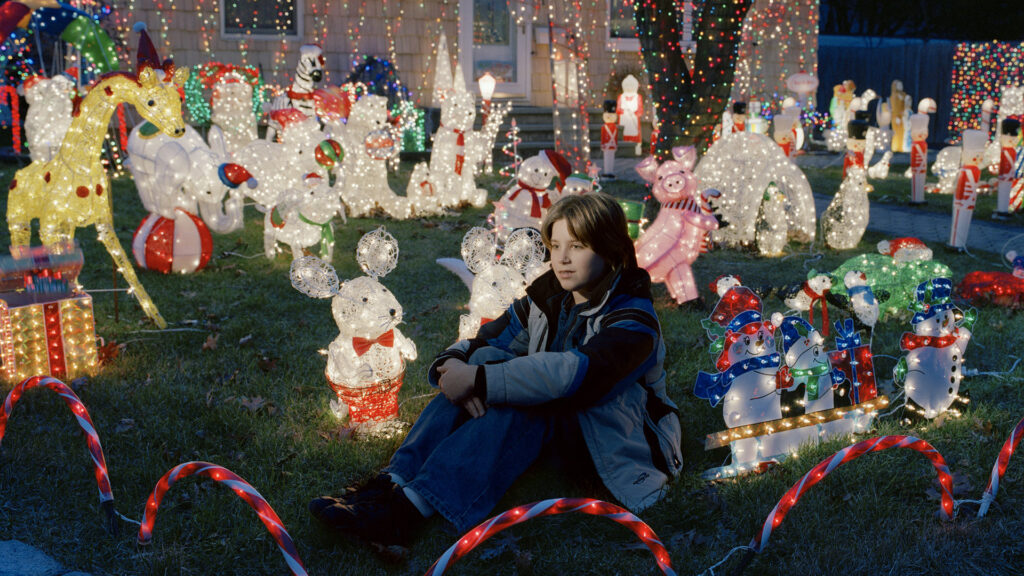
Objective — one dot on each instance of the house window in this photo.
(622, 26)
(276, 18)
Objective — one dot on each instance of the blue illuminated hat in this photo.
(932, 297)
(793, 329)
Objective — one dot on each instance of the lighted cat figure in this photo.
(846, 218)
(932, 368)
(366, 362)
(369, 141)
(669, 246)
(449, 180)
(305, 221)
(49, 113)
(527, 201)
(495, 283)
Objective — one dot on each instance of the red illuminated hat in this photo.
(286, 117)
(146, 55)
(560, 164)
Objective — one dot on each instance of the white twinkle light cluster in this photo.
(369, 142)
(741, 165)
(49, 114)
(231, 111)
(366, 362)
(846, 218)
(770, 230)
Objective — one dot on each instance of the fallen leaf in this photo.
(124, 425)
(108, 351)
(940, 421)
(266, 363)
(391, 554)
(189, 294)
(983, 426)
(252, 404)
(211, 342)
(245, 340)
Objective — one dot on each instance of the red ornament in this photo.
(183, 244)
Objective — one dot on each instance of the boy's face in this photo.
(576, 265)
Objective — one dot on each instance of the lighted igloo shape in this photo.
(741, 165)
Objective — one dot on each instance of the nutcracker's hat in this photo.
(974, 141)
(610, 106)
(857, 129)
(931, 297)
(739, 107)
(1011, 127)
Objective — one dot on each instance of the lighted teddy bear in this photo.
(671, 244)
(366, 362)
(49, 114)
(495, 283)
(525, 204)
(369, 142)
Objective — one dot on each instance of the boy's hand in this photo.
(456, 380)
(474, 406)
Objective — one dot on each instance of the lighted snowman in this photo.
(932, 369)
(525, 203)
(748, 366)
(807, 365)
(366, 362)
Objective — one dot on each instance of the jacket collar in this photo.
(547, 293)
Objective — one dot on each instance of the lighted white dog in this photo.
(49, 114)
(369, 142)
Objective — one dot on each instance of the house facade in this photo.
(539, 51)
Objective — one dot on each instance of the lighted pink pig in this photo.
(670, 245)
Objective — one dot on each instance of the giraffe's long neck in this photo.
(83, 141)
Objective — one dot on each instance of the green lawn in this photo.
(256, 403)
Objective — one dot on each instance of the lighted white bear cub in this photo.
(49, 114)
(525, 204)
(366, 362)
(369, 143)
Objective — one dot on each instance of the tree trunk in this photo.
(689, 105)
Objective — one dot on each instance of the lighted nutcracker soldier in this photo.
(609, 138)
(966, 192)
(856, 142)
(918, 157)
(1008, 137)
(739, 116)
(630, 108)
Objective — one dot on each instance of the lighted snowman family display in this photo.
(775, 402)
(366, 362)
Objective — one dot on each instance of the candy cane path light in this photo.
(489, 528)
(92, 439)
(760, 541)
(243, 489)
(1000, 467)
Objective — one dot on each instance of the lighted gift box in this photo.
(46, 325)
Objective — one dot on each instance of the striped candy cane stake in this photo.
(489, 528)
(1000, 467)
(92, 439)
(243, 489)
(845, 455)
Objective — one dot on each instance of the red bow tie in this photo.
(362, 345)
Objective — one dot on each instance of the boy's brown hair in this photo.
(597, 220)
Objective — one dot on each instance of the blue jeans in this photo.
(462, 465)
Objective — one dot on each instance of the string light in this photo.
(980, 71)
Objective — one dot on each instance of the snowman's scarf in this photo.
(910, 341)
(713, 387)
(809, 377)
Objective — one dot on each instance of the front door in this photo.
(491, 41)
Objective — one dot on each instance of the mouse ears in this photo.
(524, 250)
(377, 253)
(479, 249)
(314, 277)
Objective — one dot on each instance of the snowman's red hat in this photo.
(559, 164)
(736, 314)
(286, 117)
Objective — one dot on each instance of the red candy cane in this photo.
(84, 421)
(1000, 467)
(243, 489)
(489, 528)
(845, 455)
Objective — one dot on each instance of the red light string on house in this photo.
(489, 528)
(1000, 467)
(239, 486)
(92, 439)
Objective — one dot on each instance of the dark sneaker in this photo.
(389, 520)
(374, 488)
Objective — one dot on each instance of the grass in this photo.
(257, 404)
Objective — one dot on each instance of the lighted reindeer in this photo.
(72, 189)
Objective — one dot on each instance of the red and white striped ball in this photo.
(181, 245)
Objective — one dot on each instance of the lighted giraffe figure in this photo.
(72, 190)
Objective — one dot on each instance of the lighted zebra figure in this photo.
(308, 74)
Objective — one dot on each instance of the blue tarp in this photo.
(924, 66)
